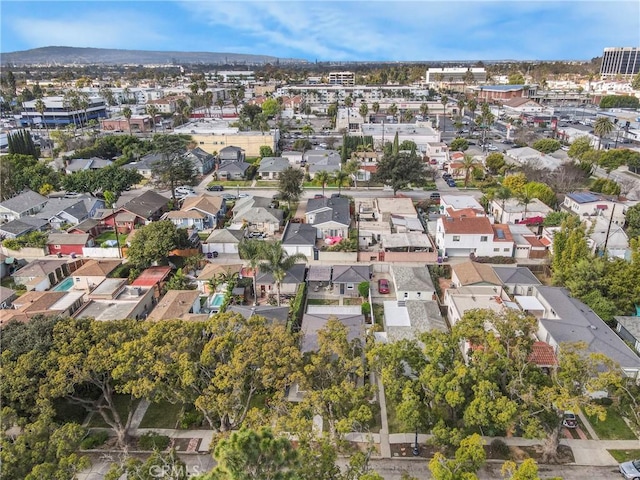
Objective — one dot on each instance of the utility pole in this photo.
(606, 240)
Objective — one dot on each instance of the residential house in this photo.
(629, 330)
(23, 204)
(143, 209)
(322, 160)
(294, 158)
(90, 226)
(567, 319)
(257, 214)
(347, 278)
(231, 154)
(299, 238)
(70, 211)
(7, 296)
(41, 274)
(526, 243)
(68, 243)
(17, 228)
(313, 323)
(178, 304)
(271, 167)
(407, 319)
(517, 106)
(153, 278)
(386, 207)
(113, 299)
(80, 164)
(199, 212)
(513, 210)
(585, 204)
(272, 313)
(462, 299)
(465, 204)
(214, 271)
(516, 280)
(413, 283)
(527, 156)
(456, 237)
(438, 153)
(202, 161)
(92, 273)
(331, 216)
(469, 274)
(405, 242)
(611, 237)
(231, 170)
(36, 303)
(144, 165)
(223, 240)
(266, 285)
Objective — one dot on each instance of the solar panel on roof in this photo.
(500, 234)
(584, 197)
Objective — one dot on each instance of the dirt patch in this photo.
(565, 454)
(406, 450)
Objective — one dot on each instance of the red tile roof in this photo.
(542, 354)
(151, 276)
(466, 225)
(507, 233)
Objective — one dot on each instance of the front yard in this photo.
(613, 428)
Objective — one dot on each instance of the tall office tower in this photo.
(624, 61)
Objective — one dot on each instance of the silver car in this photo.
(630, 470)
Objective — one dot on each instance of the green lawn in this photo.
(161, 415)
(233, 183)
(266, 183)
(613, 428)
(321, 301)
(103, 237)
(121, 403)
(203, 235)
(625, 455)
(394, 425)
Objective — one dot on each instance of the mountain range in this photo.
(106, 56)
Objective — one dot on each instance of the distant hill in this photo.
(85, 56)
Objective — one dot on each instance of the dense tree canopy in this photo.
(290, 184)
(153, 242)
(400, 170)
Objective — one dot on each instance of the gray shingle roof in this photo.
(299, 234)
(234, 167)
(294, 275)
(312, 323)
(578, 323)
(516, 275)
(351, 273)
(329, 209)
(273, 164)
(16, 227)
(272, 313)
(146, 204)
(414, 279)
(23, 201)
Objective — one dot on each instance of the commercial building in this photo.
(623, 61)
(342, 78)
(58, 113)
(455, 75)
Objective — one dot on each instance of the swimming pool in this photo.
(218, 298)
(65, 285)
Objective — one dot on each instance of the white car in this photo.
(184, 190)
(630, 470)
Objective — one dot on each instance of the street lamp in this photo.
(416, 447)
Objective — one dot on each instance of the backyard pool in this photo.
(216, 301)
(65, 285)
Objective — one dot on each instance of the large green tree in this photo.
(469, 458)
(602, 127)
(400, 170)
(173, 168)
(290, 184)
(153, 242)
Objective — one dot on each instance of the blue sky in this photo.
(390, 30)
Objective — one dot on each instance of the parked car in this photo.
(243, 195)
(446, 176)
(383, 286)
(435, 196)
(215, 188)
(213, 254)
(451, 182)
(570, 420)
(492, 148)
(318, 195)
(184, 190)
(630, 470)
(229, 196)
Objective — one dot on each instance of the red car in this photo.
(383, 285)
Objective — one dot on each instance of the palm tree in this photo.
(152, 111)
(424, 110)
(444, 100)
(473, 105)
(468, 163)
(220, 104)
(322, 177)
(392, 110)
(307, 130)
(340, 176)
(363, 111)
(375, 107)
(603, 127)
(41, 108)
(126, 111)
(278, 262)
(461, 104)
(252, 251)
(525, 197)
(351, 168)
(208, 101)
(348, 102)
(503, 194)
